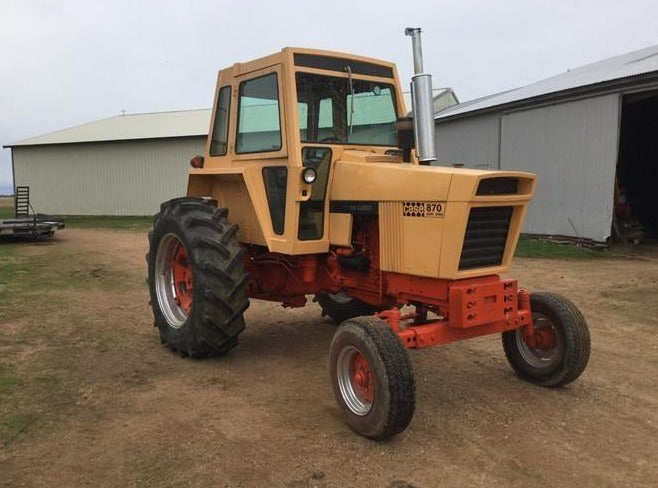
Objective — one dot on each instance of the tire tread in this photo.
(397, 370)
(219, 277)
(576, 336)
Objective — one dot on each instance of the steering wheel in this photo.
(330, 139)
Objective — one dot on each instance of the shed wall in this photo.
(471, 141)
(105, 178)
(572, 147)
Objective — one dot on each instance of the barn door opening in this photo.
(636, 191)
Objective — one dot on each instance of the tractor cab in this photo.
(281, 123)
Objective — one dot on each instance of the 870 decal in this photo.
(432, 210)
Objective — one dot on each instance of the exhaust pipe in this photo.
(422, 103)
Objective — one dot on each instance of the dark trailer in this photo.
(25, 224)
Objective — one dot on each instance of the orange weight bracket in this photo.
(489, 308)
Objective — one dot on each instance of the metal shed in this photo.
(573, 130)
(123, 165)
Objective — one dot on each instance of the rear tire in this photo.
(372, 378)
(197, 281)
(563, 347)
(341, 307)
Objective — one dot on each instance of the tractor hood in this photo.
(365, 176)
(436, 222)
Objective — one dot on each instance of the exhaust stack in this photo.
(422, 103)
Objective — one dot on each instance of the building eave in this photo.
(630, 83)
(102, 141)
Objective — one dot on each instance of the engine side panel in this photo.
(431, 219)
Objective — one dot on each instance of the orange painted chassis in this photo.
(465, 308)
(478, 307)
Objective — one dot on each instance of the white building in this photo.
(124, 165)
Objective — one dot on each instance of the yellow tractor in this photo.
(314, 182)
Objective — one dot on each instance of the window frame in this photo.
(228, 122)
(388, 82)
(241, 83)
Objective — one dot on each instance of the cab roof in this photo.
(319, 59)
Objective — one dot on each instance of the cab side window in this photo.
(259, 123)
(276, 181)
(219, 141)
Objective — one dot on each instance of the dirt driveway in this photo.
(89, 397)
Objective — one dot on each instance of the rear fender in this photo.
(239, 192)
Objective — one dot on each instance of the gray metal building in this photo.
(124, 165)
(580, 132)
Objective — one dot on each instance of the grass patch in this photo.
(24, 287)
(9, 264)
(11, 426)
(7, 381)
(536, 248)
(31, 279)
(6, 212)
(51, 336)
(141, 224)
(49, 381)
(19, 274)
(116, 222)
(18, 423)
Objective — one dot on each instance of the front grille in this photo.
(486, 235)
(498, 186)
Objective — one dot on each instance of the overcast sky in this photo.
(67, 62)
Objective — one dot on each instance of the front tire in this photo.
(372, 378)
(197, 280)
(562, 348)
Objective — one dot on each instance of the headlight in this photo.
(309, 175)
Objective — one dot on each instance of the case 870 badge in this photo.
(431, 210)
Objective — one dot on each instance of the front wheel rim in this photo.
(548, 348)
(356, 380)
(174, 286)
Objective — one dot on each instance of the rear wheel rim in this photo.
(549, 346)
(356, 380)
(173, 280)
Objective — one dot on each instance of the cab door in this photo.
(314, 127)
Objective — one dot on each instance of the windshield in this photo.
(327, 112)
